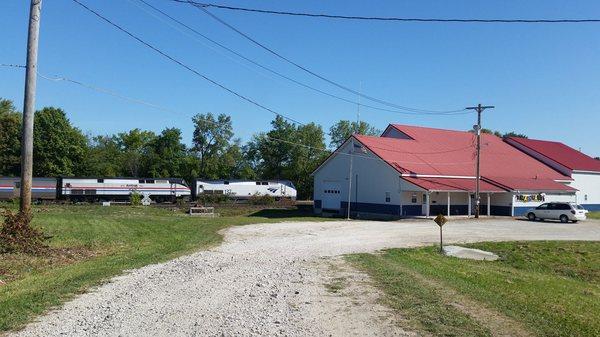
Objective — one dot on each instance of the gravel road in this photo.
(271, 280)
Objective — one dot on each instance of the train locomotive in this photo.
(97, 189)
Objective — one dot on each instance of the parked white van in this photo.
(562, 211)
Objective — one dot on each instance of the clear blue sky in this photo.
(543, 79)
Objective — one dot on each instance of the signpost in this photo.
(440, 220)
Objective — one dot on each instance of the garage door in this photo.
(332, 196)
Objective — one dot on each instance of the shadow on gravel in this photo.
(284, 213)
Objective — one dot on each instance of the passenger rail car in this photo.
(98, 189)
(244, 189)
(41, 188)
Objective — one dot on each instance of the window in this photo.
(17, 184)
(141, 181)
(258, 183)
(149, 181)
(265, 183)
(387, 197)
(543, 206)
(424, 200)
(413, 199)
(226, 182)
(563, 207)
(100, 180)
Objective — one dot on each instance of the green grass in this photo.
(593, 215)
(543, 288)
(94, 243)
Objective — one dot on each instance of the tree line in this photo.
(61, 149)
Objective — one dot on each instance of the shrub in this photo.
(135, 198)
(18, 236)
(213, 198)
(258, 199)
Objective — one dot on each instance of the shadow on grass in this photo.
(278, 213)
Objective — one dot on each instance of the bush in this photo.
(258, 199)
(18, 236)
(135, 198)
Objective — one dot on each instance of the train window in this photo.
(226, 182)
(141, 181)
(100, 180)
(265, 183)
(258, 183)
(149, 181)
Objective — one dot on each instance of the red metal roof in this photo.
(452, 153)
(528, 184)
(453, 184)
(560, 153)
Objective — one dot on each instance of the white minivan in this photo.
(562, 211)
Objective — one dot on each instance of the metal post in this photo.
(350, 180)
(489, 201)
(479, 108)
(441, 241)
(448, 204)
(35, 12)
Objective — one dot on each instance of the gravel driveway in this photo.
(270, 280)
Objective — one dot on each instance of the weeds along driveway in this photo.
(274, 279)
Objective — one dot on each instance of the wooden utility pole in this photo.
(35, 13)
(479, 108)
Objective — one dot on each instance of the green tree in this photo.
(343, 129)
(10, 142)
(103, 159)
(211, 140)
(133, 146)
(288, 152)
(500, 134)
(58, 147)
(166, 154)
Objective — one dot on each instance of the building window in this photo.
(387, 197)
(414, 199)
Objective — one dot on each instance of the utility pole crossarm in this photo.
(479, 108)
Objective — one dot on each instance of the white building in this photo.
(581, 168)
(412, 171)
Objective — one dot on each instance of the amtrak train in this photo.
(97, 189)
(244, 189)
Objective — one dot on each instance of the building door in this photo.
(332, 196)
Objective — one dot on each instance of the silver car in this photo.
(562, 211)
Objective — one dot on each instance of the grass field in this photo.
(90, 244)
(594, 215)
(536, 288)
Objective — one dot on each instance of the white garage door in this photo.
(331, 195)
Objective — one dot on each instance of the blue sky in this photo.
(543, 79)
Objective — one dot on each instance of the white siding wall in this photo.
(587, 184)
(375, 178)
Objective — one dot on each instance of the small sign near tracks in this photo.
(441, 220)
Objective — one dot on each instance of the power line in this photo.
(378, 18)
(138, 101)
(195, 31)
(171, 58)
(305, 69)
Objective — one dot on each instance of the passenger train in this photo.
(158, 189)
(97, 189)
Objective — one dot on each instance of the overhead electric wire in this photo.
(305, 69)
(379, 18)
(164, 54)
(165, 109)
(272, 71)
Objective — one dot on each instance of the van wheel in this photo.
(531, 217)
(564, 218)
